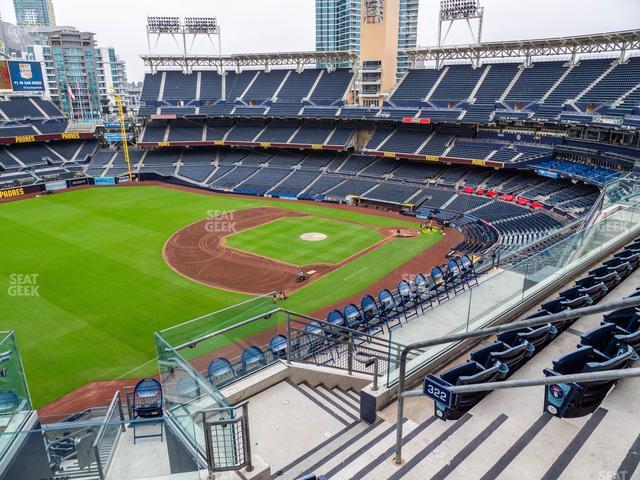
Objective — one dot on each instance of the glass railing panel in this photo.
(216, 321)
(504, 289)
(15, 402)
(227, 356)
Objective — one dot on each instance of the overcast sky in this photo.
(289, 25)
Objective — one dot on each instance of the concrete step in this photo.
(316, 459)
(438, 451)
(332, 403)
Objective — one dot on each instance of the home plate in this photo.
(313, 237)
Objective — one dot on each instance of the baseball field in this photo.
(85, 281)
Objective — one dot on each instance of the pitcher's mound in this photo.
(313, 237)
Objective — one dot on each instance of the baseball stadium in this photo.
(388, 262)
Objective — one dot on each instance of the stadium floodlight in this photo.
(201, 25)
(164, 25)
(453, 10)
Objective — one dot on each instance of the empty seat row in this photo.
(609, 347)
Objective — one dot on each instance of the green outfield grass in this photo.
(281, 240)
(103, 287)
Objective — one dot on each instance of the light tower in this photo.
(185, 32)
(454, 10)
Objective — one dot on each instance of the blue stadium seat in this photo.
(580, 399)
(406, 302)
(439, 287)
(336, 319)
(387, 309)
(220, 371)
(422, 294)
(539, 337)
(252, 358)
(499, 352)
(147, 405)
(608, 338)
(278, 346)
(467, 374)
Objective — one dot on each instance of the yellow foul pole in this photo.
(123, 131)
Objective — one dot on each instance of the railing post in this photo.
(96, 452)
(121, 412)
(288, 337)
(247, 440)
(350, 357)
(208, 442)
(375, 374)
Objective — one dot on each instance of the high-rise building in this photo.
(34, 13)
(340, 26)
(112, 77)
(72, 66)
(407, 32)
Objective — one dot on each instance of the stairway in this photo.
(72, 471)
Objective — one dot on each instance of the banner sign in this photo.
(75, 182)
(26, 76)
(104, 181)
(115, 125)
(546, 173)
(113, 137)
(12, 193)
(53, 186)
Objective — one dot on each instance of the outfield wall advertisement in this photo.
(21, 76)
(18, 192)
(57, 185)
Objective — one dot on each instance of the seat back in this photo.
(368, 306)
(352, 316)
(404, 291)
(219, 370)
(420, 283)
(437, 277)
(147, 398)
(600, 338)
(252, 356)
(454, 268)
(335, 317)
(538, 336)
(386, 300)
(278, 345)
(467, 264)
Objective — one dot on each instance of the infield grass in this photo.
(104, 288)
(281, 240)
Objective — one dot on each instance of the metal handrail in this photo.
(269, 314)
(115, 402)
(486, 332)
(367, 361)
(574, 378)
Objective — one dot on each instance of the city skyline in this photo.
(126, 33)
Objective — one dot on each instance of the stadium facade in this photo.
(533, 163)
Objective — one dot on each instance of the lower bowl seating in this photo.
(468, 374)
